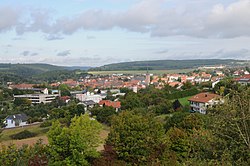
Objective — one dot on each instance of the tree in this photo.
(65, 90)
(76, 144)
(232, 124)
(103, 114)
(22, 101)
(136, 138)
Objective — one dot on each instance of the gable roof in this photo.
(22, 117)
(203, 97)
(114, 104)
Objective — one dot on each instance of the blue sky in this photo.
(98, 32)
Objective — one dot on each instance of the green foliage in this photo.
(130, 101)
(22, 102)
(26, 155)
(23, 134)
(103, 114)
(65, 90)
(136, 138)
(76, 144)
(232, 125)
(46, 123)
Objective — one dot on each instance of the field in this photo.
(184, 101)
(5, 139)
(157, 72)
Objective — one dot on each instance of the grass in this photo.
(34, 128)
(184, 101)
(157, 72)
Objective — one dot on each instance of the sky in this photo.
(98, 32)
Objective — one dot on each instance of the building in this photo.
(90, 96)
(202, 101)
(38, 98)
(244, 80)
(108, 103)
(88, 104)
(16, 120)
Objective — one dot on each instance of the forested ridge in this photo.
(165, 64)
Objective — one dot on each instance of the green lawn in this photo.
(157, 72)
(184, 101)
(34, 128)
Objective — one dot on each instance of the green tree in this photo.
(76, 144)
(232, 124)
(136, 138)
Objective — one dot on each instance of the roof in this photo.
(88, 102)
(244, 78)
(114, 104)
(203, 97)
(22, 117)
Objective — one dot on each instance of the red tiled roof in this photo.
(247, 76)
(203, 97)
(114, 104)
(22, 86)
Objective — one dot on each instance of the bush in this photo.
(46, 124)
(23, 134)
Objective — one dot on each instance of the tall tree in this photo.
(76, 144)
(136, 138)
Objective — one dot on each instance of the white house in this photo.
(16, 120)
(202, 101)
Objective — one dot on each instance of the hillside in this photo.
(165, 64)
(33, 72)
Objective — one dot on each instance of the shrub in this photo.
(23, 134)
(46, 124)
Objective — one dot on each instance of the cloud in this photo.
(64, 53)
(9, 18)
(161, 51)
(34, 54)
(28, 53)
(232, 54)
(53, 37)
(156, 17)
(90, 37)
(25, 53)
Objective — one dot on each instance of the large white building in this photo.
(90, 96)
(38, 98)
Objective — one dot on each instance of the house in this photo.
(16, 120)
(88, 104)
(244, 80)
(202, 101)
(114, 104)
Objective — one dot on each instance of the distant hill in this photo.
(28, 72)
(165, 64)
(78, 68)
(28, 69)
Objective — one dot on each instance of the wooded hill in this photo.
(166, 64)
(36, 72)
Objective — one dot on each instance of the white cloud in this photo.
(64, 53)
(156, 17)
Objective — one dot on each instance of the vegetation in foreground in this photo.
(138, 137)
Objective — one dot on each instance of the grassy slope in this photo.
(6, 140)
(184, 101)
